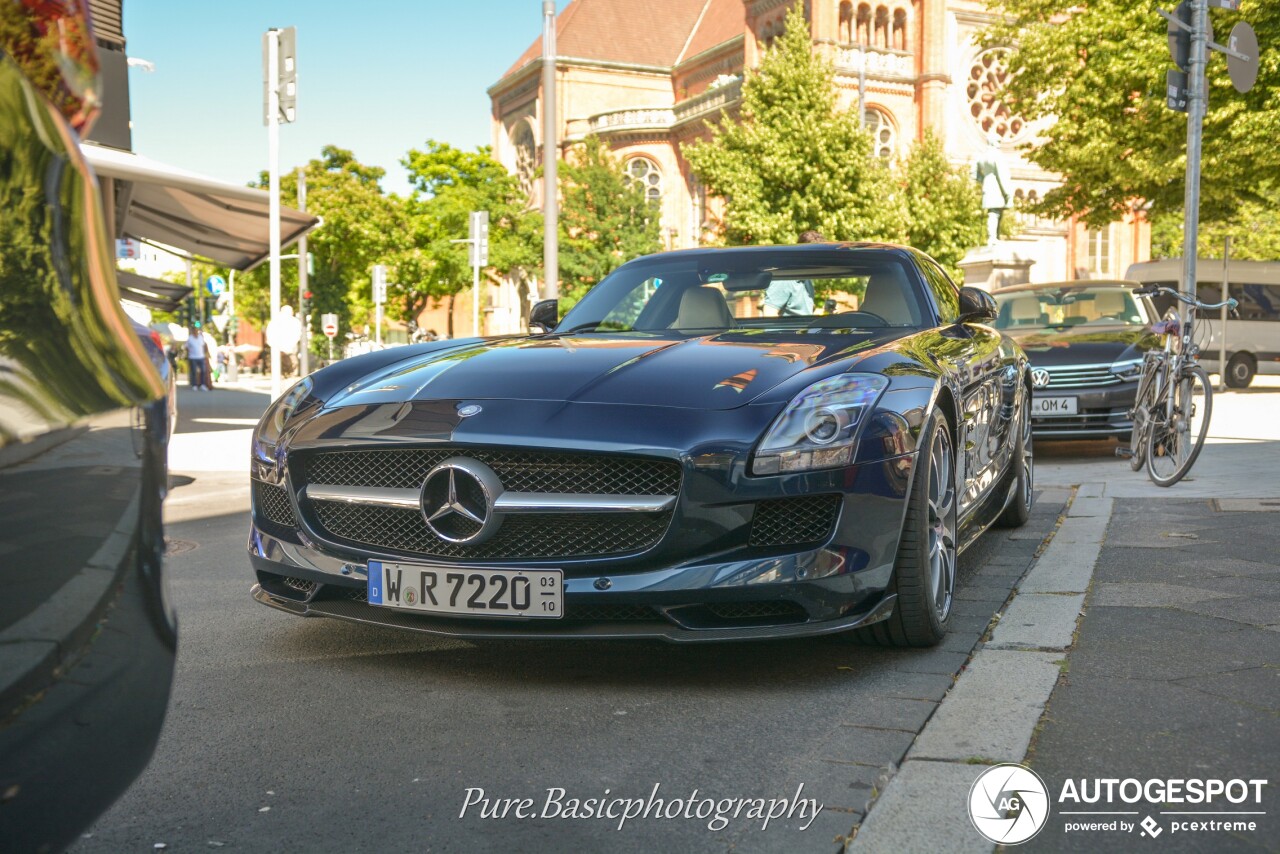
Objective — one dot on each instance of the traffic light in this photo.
(306, 303)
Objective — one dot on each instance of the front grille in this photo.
(609, 613)
(535, 536)
(273, 504)
(302, 585)
(758, 610)
(519, 471)
(794, 521)
(1085, 376)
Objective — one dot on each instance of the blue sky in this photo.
(376, 76)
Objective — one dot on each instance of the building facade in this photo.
(647, 78)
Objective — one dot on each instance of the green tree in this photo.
(449, 184)
(605, 219)
(1095, 74)
(362, 227)
(793, 161)
(1254, 232)
(944, 215)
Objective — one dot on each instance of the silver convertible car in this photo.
(712, 444)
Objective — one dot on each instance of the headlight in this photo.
(819, 427)
(279, 413)
(1127, 369)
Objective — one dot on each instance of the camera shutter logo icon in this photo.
(1008, 804)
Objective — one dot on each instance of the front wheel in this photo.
(924, 575)
(1024, 468)
(1142, 416)
(1240, 371)
(1176, 432)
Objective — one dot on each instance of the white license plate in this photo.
(470, 591)
(1053, 406)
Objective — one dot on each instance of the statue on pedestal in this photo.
(990, 171)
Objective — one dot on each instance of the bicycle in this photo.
(1169, 426)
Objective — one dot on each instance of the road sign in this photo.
(215, 285)
(1232, 5)
(329, 325)
(1180, 37)
(1242, 61)
(127, 247)
(379, 284)
(479, 237)
(1176, 92)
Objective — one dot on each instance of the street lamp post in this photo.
(550, 154)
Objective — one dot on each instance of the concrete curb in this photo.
(991, 712)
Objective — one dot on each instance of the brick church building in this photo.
(647, 76)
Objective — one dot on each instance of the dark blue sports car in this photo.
(711, 445)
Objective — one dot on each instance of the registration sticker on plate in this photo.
(471, 591)
(1053, 406)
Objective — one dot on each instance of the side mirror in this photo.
(976, 306)
(544, 315)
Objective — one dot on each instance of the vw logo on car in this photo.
(1039, 378)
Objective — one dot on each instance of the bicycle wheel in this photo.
(1174, 442)
(1141, 416)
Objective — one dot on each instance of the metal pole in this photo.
(1226, 292)
(862, 89)
(199, 296)
(1196, 107)
(273, 157)
(304, 343)
(233, 370)
(550, 154)
(475, 290)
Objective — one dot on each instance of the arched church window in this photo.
(845, 35)
(526, 157)
(987, 76)
(882, 27)
(884, 136)
(863, 32)
(900, 29)
(645, 173)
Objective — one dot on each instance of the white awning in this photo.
(225, 223)
(153, 293)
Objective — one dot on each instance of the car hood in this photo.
(706, 372)
(1082, 345)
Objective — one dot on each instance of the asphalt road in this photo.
(287, 734)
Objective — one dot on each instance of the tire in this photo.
(1024, 472)
(924, 574)
(1138, 435)
(1240, 371)
(1172, 448)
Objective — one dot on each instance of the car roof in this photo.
(1075, 284)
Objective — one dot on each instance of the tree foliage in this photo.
(1094, 74)
(944, 215)
(605, 219)
(362, 227)
(449, 184)
(793, 160)
(1254, 232)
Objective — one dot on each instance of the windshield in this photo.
(1063, 307)
(714, 292)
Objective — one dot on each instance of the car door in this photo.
(977, 358)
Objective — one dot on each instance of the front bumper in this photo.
(1100, 413)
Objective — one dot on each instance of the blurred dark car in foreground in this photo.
(1086, 341)
(712, 445)
(87, 637)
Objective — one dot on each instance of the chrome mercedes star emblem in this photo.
(1039, 378)
(457, 501)
(468, 410)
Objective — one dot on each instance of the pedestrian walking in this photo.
(210, 348)
(197, 358)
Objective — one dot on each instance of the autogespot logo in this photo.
(1008, 804)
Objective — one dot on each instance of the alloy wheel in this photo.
(942, 523)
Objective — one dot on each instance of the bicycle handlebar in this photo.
(1152, 290)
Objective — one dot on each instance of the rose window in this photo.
(987, 77)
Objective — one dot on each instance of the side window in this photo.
(945, 294)
(624, 315)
